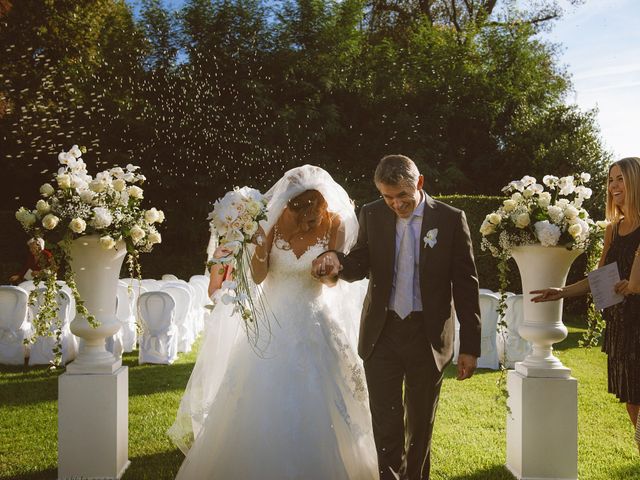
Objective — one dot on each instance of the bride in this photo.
(296, 407)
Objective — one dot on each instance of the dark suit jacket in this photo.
(446, 270)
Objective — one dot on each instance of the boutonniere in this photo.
(431, 238)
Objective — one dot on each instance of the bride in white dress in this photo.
(295, 406)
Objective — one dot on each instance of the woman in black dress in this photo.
(621, 245)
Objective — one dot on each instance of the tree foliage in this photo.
(229, 92)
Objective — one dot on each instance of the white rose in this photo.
(544, 199)
(50, 221)
(522, 220)
(77, 225)
(516, 197)
(119, 185)
(64, 181)
(117, 172)
(250, 228)
(487, 228)
(154, 237)
(494, 218)
(253, 207)
(151, 215)
(87, 196)
(107, 242)
(160, 216)
(570, 212)
(137, 233)
(509, 205)
(47, 190)
(585, 177)
(575, 230)
(134, 192)
(97, 186)
(43, 207)
(528, 193)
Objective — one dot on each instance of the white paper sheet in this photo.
(602, 282)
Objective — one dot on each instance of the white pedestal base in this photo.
(93, 425)
(542, 427)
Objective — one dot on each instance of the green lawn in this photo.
(469, 437)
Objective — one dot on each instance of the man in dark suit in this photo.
(417, 254)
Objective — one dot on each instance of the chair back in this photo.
(156, 310)
(13, 307)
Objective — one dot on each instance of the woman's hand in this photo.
(547, 294)
(259, 238)
(623, 287)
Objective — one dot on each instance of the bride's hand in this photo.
(326, 266)
(259, 238)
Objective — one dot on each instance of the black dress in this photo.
(622, 332)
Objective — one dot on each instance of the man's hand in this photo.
(326, 268)
(466, 365)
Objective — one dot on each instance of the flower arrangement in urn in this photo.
(76, 204)
(551, 214)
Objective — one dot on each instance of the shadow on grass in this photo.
(149, 378)
(497, 472)
(30, 385)
(41, 475)
(157, 466)
(33, 386)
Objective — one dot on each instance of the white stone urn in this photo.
(96, 271)
(541, 267)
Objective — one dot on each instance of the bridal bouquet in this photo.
(234, 220)
(550, 214)
(108, 205)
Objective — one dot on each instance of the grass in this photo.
(468, 443)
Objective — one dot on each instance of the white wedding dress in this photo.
(295, 409)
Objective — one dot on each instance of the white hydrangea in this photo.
(548, 234)
(102, 218)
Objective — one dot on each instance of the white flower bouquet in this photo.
(235, 221)
(549, 214)
(108, 205)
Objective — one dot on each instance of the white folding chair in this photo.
(183, 317)
(159, 342)
(14, 325)
(488, 327)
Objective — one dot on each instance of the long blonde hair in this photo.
(630, 168)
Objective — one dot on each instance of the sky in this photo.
(600, 48)
(600, 43)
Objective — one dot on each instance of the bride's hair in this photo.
(308, 205)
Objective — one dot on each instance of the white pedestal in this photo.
(542, 427)
(93, 425)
